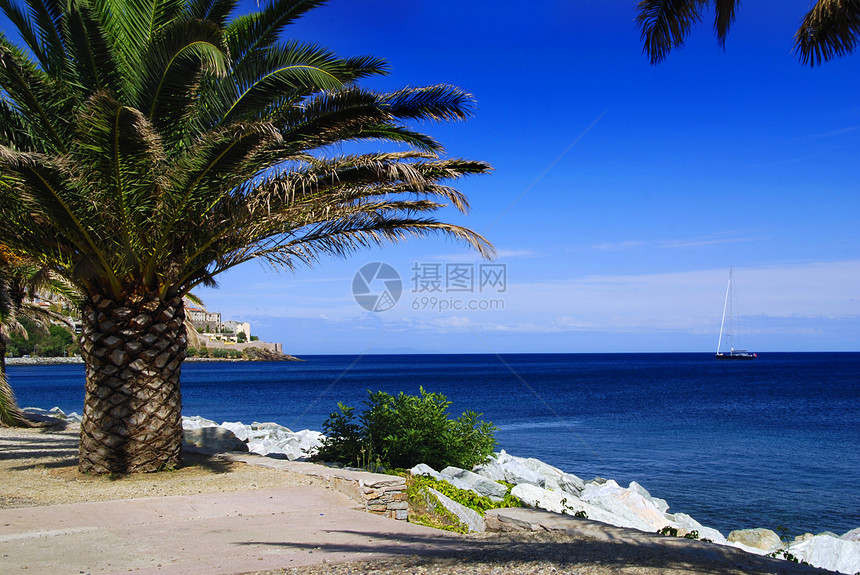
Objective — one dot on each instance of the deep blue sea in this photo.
(767, 443)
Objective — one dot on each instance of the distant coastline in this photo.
(79, 360)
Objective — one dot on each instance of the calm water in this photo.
(768, 443)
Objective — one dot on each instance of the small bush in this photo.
(402, 431)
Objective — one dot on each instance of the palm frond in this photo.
(248, 35)
(119, 158)
(168, 83)
(46, 214)
(25, 27)
(43, 103)
(831, 29)
(92, 58)
(665, 24)
(440, 103)
(47, 16)
(725, 17)
(215, 11)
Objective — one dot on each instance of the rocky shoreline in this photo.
(541, 486)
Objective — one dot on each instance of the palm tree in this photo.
(830, 29)
(150, 145)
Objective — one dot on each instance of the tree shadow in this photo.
(210, 462)
(563, 551)
(48, 450)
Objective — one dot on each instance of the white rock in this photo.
(216, 438)
(829, 553)
(238, 428)
(535, 496)
(477, 483)
(197, 422)
(427, 471)
(572, 484)
(625, 503)
(516, 473)
(764, 539)
(853, 535)
(682, 520)
(658, 503)
(561, 502)
(468, 517)
(491, 470)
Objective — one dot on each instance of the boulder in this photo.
(561, 502)
(477, 483)
(197, 422)
(491, 470)
(554, 478)
(427, 471)
(640, 512)
(238, 428)
(853, 535)
(763, 539)
(535, 496)
(515, 472)
(424, 469)
(468, 517)
(283, 442)
(658, 503)
(571, 483)
(216, 438)
(688, 524)
(829, 552)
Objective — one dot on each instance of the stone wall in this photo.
(218, 344)
(382, 495)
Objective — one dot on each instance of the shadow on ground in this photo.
(657, 553)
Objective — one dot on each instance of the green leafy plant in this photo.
(470, 499)
(692, 535)
(581, 514)
(404, 430)
(424, 509)
(668, 530)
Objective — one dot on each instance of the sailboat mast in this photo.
(725, 305)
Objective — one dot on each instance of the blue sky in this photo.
(622, 192)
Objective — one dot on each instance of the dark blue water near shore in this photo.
(772, 442)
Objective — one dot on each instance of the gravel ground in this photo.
(39, 467)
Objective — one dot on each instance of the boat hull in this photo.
(736, 355)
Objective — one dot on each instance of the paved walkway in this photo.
(205, 534)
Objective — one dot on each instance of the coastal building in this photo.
(202, 319)
(237, 327)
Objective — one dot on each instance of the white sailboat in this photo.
(731, 332)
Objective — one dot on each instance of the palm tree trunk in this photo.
(133, 351)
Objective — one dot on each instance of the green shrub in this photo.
(405, 430)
